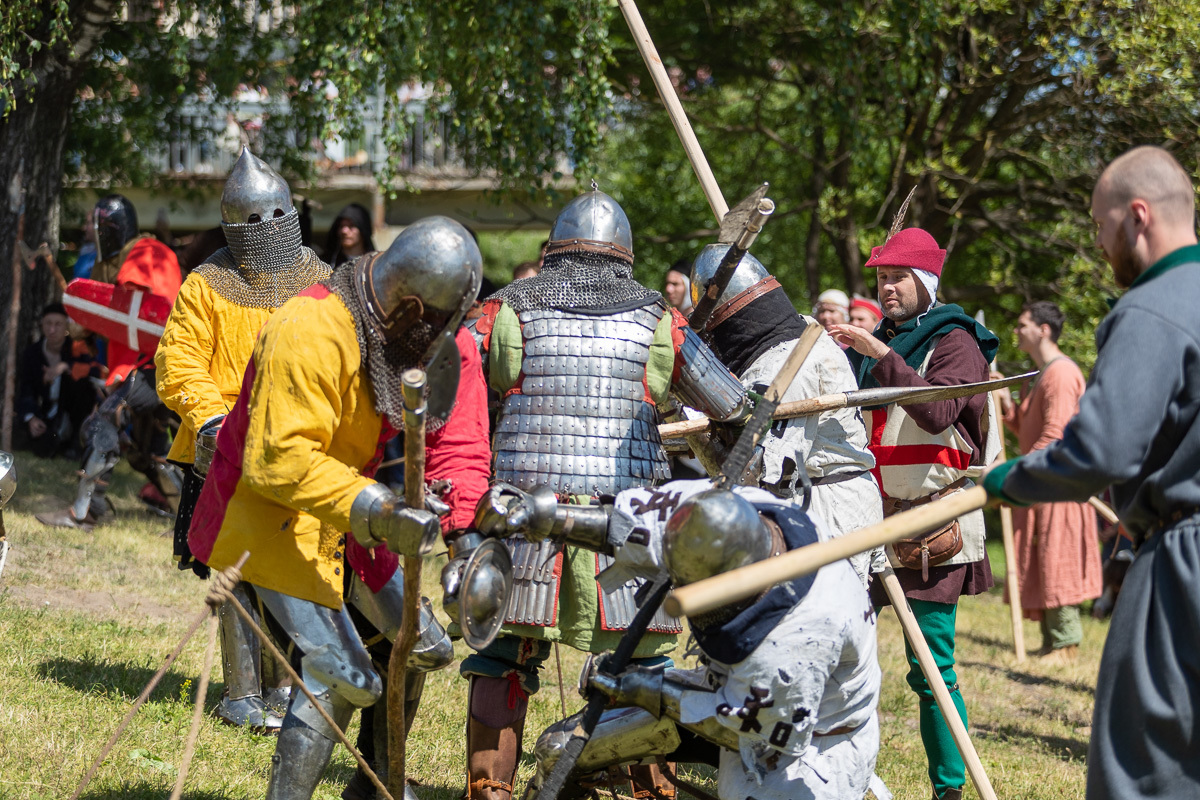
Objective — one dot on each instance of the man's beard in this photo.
(907, 310)
(1126, 265)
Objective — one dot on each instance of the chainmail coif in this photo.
(578, 279)
(384, 361)
(264, 265)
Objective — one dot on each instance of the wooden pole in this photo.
(738, 584)
(1011, 579)
(413, 387)
(933, 676)
(666, 91)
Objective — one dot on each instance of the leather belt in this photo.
(1179, 515)
(894, 505)
(842, 731)
(740, 301)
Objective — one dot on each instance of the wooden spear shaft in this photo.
(738, 584)
(1011, 579)
(933, 676)
(413, 387)
(666, 91)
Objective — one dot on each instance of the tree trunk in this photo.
(32, 138)
(847, 240)
(812, 244)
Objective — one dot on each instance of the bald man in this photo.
(1138, 431)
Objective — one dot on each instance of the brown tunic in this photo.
(1058, 558)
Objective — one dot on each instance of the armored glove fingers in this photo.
(379, 517)
(206, 444)
(506, 510)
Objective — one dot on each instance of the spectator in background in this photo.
(832, 308)
(865, 313)
(678, 288)
(51, 403)
(526, 269)
(1058, 559)
(349, 236)
(87, 250)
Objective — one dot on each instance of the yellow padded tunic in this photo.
(205, 347)
(310, 414)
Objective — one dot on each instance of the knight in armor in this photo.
(822, 462)
(785, 702)
(583, 357)
(131, 419)
(291, 474)
(206, 344)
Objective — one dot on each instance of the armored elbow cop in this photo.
(378, 516)
(706, 384)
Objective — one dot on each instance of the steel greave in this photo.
(300, 759)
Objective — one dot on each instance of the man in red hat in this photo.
(924, 452)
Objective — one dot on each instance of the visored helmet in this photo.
(421, 288)
(116, 223)
(713, 532)
(750, 272)
(592, 222)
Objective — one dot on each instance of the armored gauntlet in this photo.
(380, 517)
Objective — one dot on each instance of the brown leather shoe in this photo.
(650, 775)
(494, 731)
(1062, 656)
(950, 794)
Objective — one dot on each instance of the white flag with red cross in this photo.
(133, 317)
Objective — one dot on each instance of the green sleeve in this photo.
(661, 365)
(506, 350)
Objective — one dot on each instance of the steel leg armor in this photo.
(622, 736)
(241, 664)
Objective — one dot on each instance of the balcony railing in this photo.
(207, 139)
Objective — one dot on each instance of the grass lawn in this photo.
(86, 620)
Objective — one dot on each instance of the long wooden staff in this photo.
(666, 91)
(1011, 579)
(899, 395)
(413, 388)
(933, 676)
(738, 584)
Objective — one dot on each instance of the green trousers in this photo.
(1061, 627)
(936, 620)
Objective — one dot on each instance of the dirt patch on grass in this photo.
(106, 605)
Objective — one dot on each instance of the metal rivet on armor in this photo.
(337, 570)
(337, 554)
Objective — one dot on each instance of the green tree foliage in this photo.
(1000, 114)
(95, 87)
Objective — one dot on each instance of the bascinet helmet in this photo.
(421, 288)
(8, 478)
(713, 532)
(593, 222)
(750, 272)
(115, 220)
(261, 225)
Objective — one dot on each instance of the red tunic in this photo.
(1058, 557)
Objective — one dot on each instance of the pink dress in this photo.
(1058, 557)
